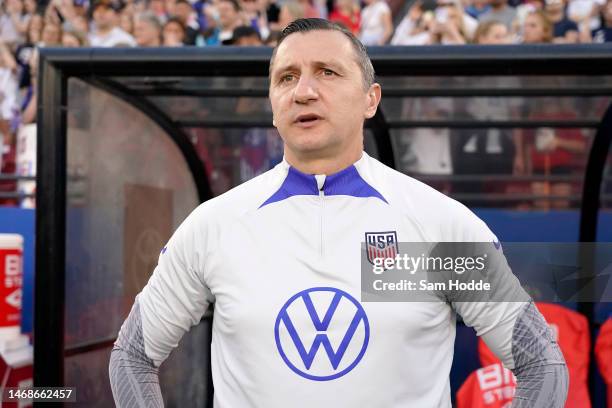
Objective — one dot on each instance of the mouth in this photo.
(307, 120)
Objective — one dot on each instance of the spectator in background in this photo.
(185, 14)
(272, 15)
(585, 12)
(564, 30)
(107, 33)
(8, 107)
(9, 88)
(35, 29)
(80, 23)
(229, 18)
(158, 8)
(147, 30)
(492, 33)
(553, 152)
(311, 9)
(414, 27)
(427, 150)
(347, 13)
(488, 151)
(126, 22)
(537, 29)
(245, 36)
(74, 38)
(174, 33)
(604, 32)
(51, 35)
(254, 12)
(24, 51)
(290, 11)
(477, 8)
(522, 10)
(452, 25)
(17, 22)
(500, 11)
(376, 24)
(13, 23)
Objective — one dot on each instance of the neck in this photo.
(323, 165)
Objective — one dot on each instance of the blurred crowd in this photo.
(27, 25)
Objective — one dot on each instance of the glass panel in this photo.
(233, 156)
(220, 109)
(598, 83)
(491, 108)
(183, 376)
(88, 372)
(513, 168)
(200, 85)
(128, 190)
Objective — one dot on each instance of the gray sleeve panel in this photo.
(541, 373)
(133, 376)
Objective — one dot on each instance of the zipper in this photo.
(321, 202)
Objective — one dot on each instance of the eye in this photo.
(286, 78)
(328, 72)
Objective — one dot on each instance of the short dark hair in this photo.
(177, 20)
(304, 25)
(242, 32)
(235, 4)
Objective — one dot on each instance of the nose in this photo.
(305, 90)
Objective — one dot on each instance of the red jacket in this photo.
(488, 387)
(603, 354)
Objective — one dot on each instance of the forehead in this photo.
(303, 49)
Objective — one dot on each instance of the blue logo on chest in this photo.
(301, 332)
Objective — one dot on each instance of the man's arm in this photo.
(173, 301)
(510, 324)
(542, 378)
(133, 376)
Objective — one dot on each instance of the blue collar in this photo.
(347, 182)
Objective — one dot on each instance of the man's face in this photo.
(183, 11)
(228, 15)
(317, 94)
(145, 34)
(104, 17)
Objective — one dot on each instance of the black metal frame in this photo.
(98, 65)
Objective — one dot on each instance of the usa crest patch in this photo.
(381, 245)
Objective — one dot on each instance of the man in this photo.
(185, 13)
(147, 30)
(500, 11)
(230, 17)
(604, 33)
(107, 33)
(565, 31)
(279, 257)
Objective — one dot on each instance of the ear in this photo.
(273, 122)
(372, 100)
